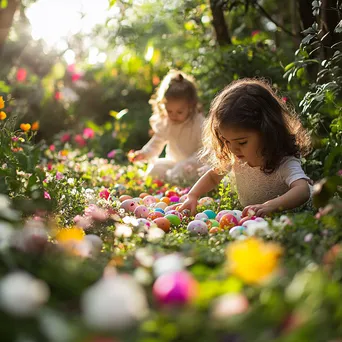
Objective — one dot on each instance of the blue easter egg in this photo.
(160, 210)
(211, 214)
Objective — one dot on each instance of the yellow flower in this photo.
(65, 235)
(25, 127)
(64, 153)
(253, 260)
(2, 102)
(3, 116)
(35, 126)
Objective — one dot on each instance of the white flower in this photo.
(258, 228)
(113, 303)
(155, 234)
(21, 294)
(71, 181)
(122, 230)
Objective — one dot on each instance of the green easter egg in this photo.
(174, 219)
(214, 223)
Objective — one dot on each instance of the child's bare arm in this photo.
(297, 195)
(206, 183)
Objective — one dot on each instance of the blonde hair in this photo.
(175, 85)
(252, 104)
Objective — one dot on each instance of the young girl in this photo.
(177, 123)
(251, 132)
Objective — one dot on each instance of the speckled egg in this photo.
(124, 198)
(174, 219)
(197, 227)
(206, 201)
(148, 200)
(223, 212)
(129, 205)
(163, 223)
(246, 218)
(211, 214)
(155, 214)
(161, 205)
(175, 212)
(237, 231)
(141, 211)
(144, 223)
(201, 216)
(228, 221)
(247, 222)
(237, 214)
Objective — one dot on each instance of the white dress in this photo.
(182, 141)
(253, 186)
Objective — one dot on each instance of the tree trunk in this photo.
(6, 20)
(306, 16)
(219, 23)
(329, 20)
(295, 23)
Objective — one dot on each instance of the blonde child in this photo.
(177, 124)
(251, 133)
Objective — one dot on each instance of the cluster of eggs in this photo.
(162, 211)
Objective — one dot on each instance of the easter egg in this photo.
(214, 223)
(176, 288)
(175, 212)
(144, 223)
(207, 222)
(148, 200)
(143, 194)
(186, 212)
(138, 200)
(246, 218)
(206, 201)
(183, 198)
(174, 199)
(228, 221)
(165, 200)
(124, 197)
(258, 219)
(197, 227)
(237, 214)
(170, 193)
(129, 205)
(201, 216)
(214, 230)
(141, 211)
(162, 223)
(161, 205)
(154, 214)
(237, 231)
(247, 222)
(174, 219)
(211, 214)
(221, 213)
(160, 210)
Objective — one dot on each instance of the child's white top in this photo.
(253, 186)
(182, 140)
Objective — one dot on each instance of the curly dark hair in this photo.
(252, 104)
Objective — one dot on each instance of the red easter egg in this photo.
(163, 223)
(155, 214)
(170, 193)
(228, 221)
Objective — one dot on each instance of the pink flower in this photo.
(79, 140)
(52, 148)
(284, 99)
(21, 75)
(104, 194)
(88, 133)
(59, 175)
(49, 166)
(339, 173)
(47, 195)
(90, 154)
(58, 95)
(71, 68)
(15, 139)
(75, 77)
(111, 154)
(65, 137)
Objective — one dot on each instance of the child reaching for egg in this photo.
(177, 124)
(252, 133)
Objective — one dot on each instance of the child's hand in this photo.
(260, 210)
(190, 203)
(134, 156)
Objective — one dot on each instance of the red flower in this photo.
(79, 140)
(65, 137)
(58, 95)
(88, 133)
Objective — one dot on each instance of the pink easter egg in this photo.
(174, 199)
(129, 205)
(177, 288)
(221, 213)
(183, 198)
(148, 200)
(141, 211)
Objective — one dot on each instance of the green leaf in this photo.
(3, 3)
